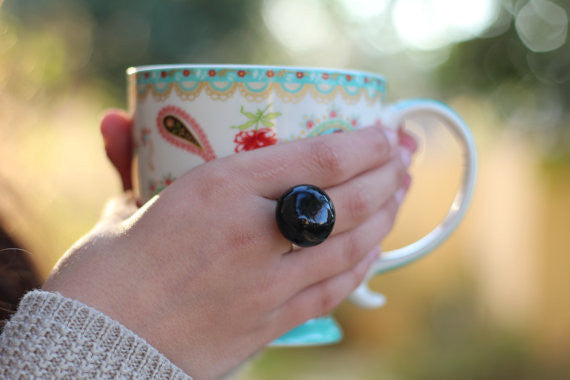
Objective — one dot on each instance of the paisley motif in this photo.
(180, 129)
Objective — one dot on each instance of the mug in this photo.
(186, 115)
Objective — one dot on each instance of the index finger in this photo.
(323, 161)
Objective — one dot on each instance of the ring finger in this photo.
(337, 254)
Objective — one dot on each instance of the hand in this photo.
(202, 272)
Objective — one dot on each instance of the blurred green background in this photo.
(491, 303)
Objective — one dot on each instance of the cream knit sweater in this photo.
(51, 336)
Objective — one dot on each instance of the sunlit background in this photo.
(492, 303)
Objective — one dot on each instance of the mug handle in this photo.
(393, 116)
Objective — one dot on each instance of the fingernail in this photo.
(406, 157)
(400, 194)
(372, 255)
(407, 141)
(391, 136)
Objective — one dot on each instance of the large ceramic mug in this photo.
(186, 115)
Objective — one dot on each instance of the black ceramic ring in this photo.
(305, 215)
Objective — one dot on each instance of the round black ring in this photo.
(305, 215)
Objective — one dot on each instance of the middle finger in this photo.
(356, 200)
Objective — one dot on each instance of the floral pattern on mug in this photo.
(258, 137)
(156, 187)
(332, 121)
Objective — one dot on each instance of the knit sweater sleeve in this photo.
(51, 336)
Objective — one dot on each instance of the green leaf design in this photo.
(257, 118)
(244, 126)
(272, 115)
(249, 115)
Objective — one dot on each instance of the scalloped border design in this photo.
(260, 84)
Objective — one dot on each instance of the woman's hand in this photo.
(202, 272)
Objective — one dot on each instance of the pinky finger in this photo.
(321, 298)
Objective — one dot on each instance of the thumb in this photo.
(117, 137)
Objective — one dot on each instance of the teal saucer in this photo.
(314, 332)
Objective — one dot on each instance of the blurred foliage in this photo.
(106, 37)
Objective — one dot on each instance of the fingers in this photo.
(323, 161)
(339, 253)
(116, 131)
(356, 200)
(360, 197)
(319, 299)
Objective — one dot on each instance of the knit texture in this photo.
(52, 336)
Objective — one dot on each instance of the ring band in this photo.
(294, 247)
(305, 215)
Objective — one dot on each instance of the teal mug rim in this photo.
(231, 66)
(245, 73)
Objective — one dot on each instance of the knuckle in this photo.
(327, 158)
(352, 250)
(382, 145)
(215, 184)
(359, 203)
(327, 302)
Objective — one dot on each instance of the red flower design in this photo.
(270, 74)
(241, 73)
(333, 114)
(186, 73)
(354, 122)
(146, 75)
(325, 76)
(163, 74)
(212, 73)
(310, 124)
(254, 139)
(299, 74)
(348, 78)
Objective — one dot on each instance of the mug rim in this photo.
(231, 66)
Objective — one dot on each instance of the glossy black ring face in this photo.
(305, 215)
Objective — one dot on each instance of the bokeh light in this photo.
(433, 24)
(298, 25)
(542, 25)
